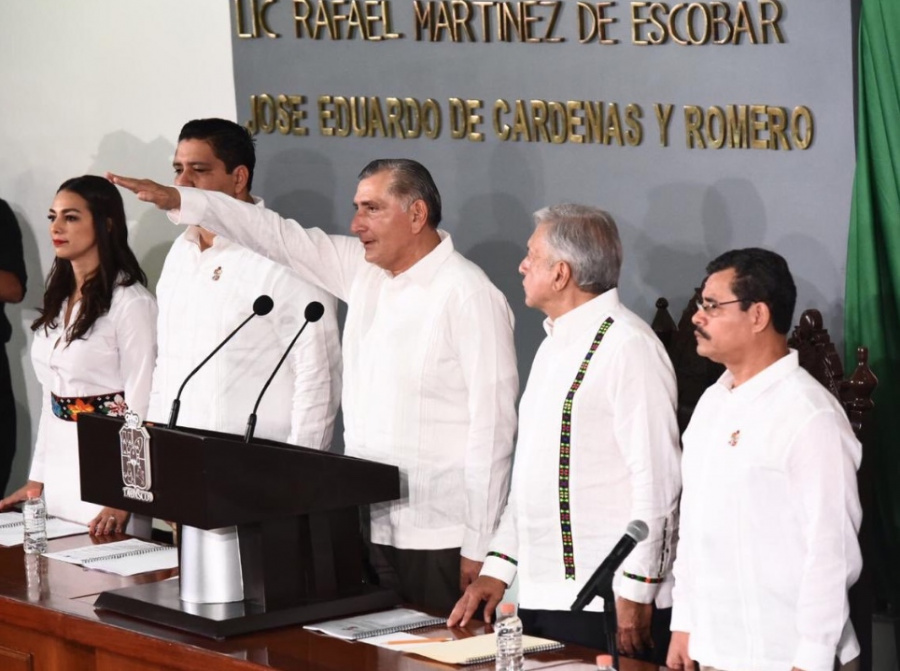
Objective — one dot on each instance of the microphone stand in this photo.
(251, 420)
(611, 620)
(176, 404)
(261, 306)
(604, 590)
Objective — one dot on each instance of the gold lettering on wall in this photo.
(593, 22)
(663, 117)
(802, 127)
(698, 23)
(584, 122)
(720, 22)
(529, 21)
(251, 19)
(748, 127)
(573, 121)
(284, 113)
(367, 116)
(465, 119)
(369, 20)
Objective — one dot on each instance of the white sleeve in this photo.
(327, 261)
(682, 619)
(681, 591)
(488, 364)
(160, 405)
(647, 435)
(156, 412)
(502, 559)
(822, 472)
(315, 365)
(39, 457)
(136, 342)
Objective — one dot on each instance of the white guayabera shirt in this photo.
(613, 459)
(430, 377)
(769, 518)
(203, 296)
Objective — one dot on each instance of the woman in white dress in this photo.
(94, 344)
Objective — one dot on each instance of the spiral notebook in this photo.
(376, 624)
(476, 649)
(12, 526)
(128, 557)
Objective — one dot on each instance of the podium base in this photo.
(159, 603)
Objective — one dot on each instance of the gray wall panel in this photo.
(676, 208)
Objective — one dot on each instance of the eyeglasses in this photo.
(711, 308)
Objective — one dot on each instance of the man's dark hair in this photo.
(410, 181)
(231, 143)
(760, 276)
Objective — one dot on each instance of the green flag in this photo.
(872, 314)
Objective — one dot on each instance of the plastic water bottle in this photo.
(36, 577)
(509, 639)
(34, 513)
(605, 663)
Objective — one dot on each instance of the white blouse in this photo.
(116, 355)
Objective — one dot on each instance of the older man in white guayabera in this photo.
(597, 448)
(430, 377)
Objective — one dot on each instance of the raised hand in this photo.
(164, 197)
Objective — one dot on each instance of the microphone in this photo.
(313, 313)
(635, 532)
(261, 306)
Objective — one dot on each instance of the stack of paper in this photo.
(376, 624)
(128, 557)
(475, 649)
(12, 528)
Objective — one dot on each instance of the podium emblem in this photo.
(134, 447)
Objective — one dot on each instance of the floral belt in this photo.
(68, 409)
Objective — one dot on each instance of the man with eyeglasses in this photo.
(770, 509)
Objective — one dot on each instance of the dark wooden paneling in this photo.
(15, 660)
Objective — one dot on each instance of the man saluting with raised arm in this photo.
(430, 378)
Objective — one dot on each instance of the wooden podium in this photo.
(296, 511)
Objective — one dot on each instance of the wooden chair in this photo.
(693, 373)
(820, 358)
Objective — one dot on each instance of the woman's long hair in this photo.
(118, 265)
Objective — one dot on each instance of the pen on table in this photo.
(419, 640)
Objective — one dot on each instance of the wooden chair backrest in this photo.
(819, 357)
(693, 373)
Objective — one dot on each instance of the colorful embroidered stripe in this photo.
(68, 409)
(640, 578)
(503, 556)
(666, 551)
(565, 513)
